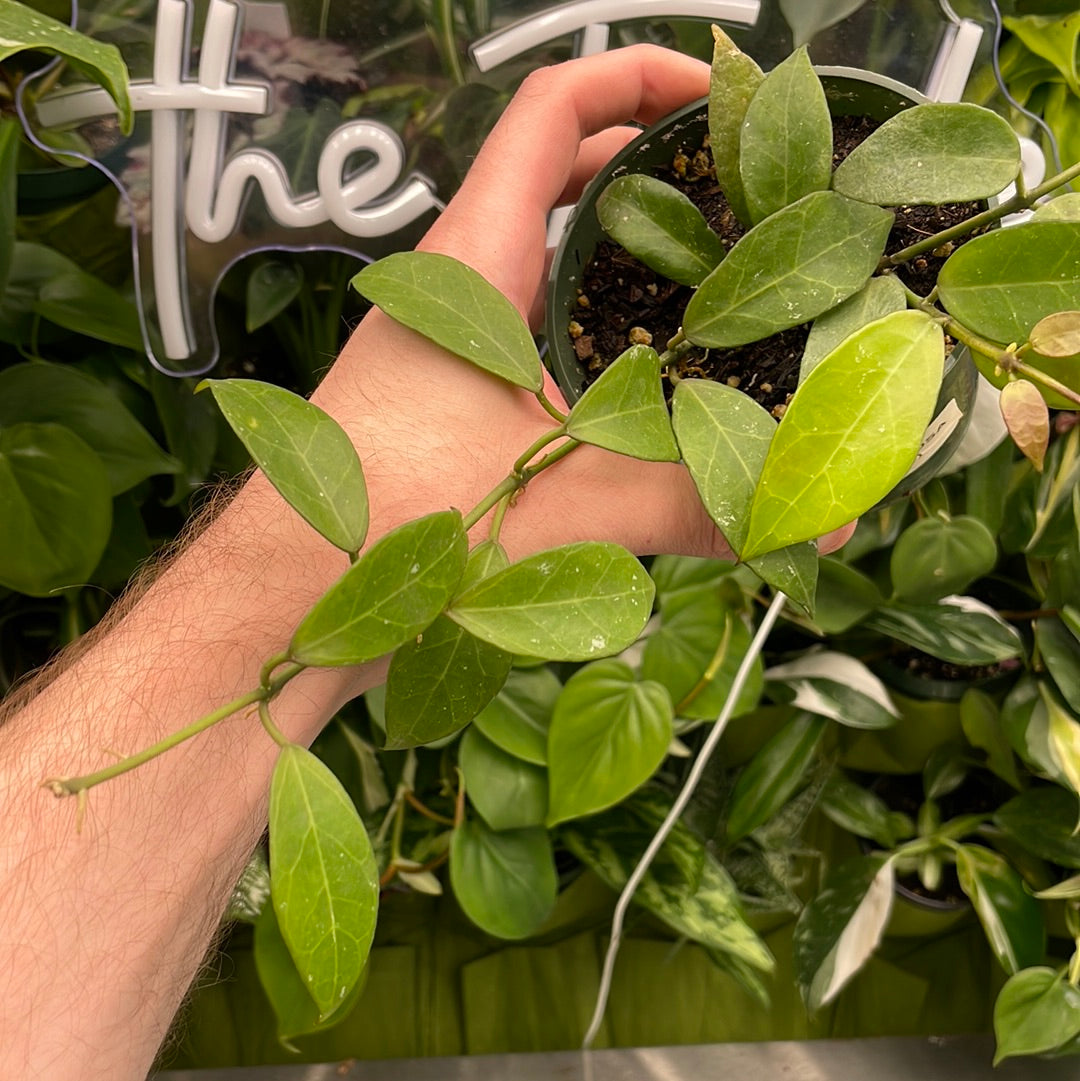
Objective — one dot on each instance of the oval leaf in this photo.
(457, 308)
(391, 594)
(1036, 1011)
(324, 881)
(808, 17)
(509, 793)
(1027, 418)
(1057, 335)
(518, 718)
(934, 557)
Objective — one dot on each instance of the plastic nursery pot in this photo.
(850, 92)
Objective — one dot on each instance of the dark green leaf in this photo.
(456, 308)
(1043, 820)
(935, 557)
(517, 719)
(271, 288)
(391, 594)
(845, 596)
(1036, 1011)
(9, 157)
(508, 792)
(1061, 653)
(324, 881)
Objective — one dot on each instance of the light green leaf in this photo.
(1036, 1011)
(932, 154)
(518, 718)
(271, 287)
(808, 17)
(980, 719)
(456, 308)
(1002, 283)
(508, 792)
(850, 433)
(1054, 39)
(324, 881)
(837, 686)
(505, 882)
(484, 560)
(795, 265)
(57, 509)
(786, 147)
(608, 735)
(392, 593)
(1063, 208)
(573, 603)
(660, 226)
(625, 411)
(934, 557)
(1063, 737)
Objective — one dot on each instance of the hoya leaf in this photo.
(438, 682)
(271, 287)
(850, 433)
(935, 557)
(798, 263)
(305, 454)
(1027, 418)
(662, 227)
(1036, 1011)
(508, 792)
(1002, 283)
(504, 881)
(573, 603)
(931, 154)
(518, 718)
(733, 79)
(609, 733)
(456, 308)
(1063, 208)
(837, 686)
(808, 17)
(792, 571)
(957, 629)
(391, 594)
(324, 880)
(786, 147)
(484, 560)
(625, 411)
(1057, 335)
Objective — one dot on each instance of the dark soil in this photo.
(622, 302)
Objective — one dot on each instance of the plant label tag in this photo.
(941, 427)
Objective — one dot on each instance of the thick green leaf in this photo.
(1043, 821)
(9, 160)
(934, 557)
(608, 735)
(786, 147)
(391, 594)
(1009, 914)
(1036, 1011)
(271, 287)
(842, 926)
(518, 718)
(807, 17)
(57, 509)
(837, 686)
(733, 79)
(438, 682)
(957, 629)
(661, 226)
(304, 453)
(1002, 283)
(792, 571)
(795, 265)
(625, 411)
(850, 433)
(934, 153)
(25, 29)
(1060, 652)
(456, 308)
(1064, 208)
(505, 882)
(324, 881)
(573, 603)
(508, 792)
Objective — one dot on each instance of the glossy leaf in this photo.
(57, 509)
(1026, 724)
(935, 557)
(1060, 651)
(1027, 418)
(957, 629)
(1009, 915)
(305, 454)
(518, 718)
(808, 17)
(837, 686)
(324, 881)
(505, 882)
(1043, 820)
(9, 160)
(841, 927)
(609, 733)
(662, 227)
(850, 433)
(391, 594)
(1057, 335)
(733, 79)
(1002, 283)
(934, 153)
(271, 287)
(1063, 736)
(1036, 1011)
(573, 603)
(786, 147)
(625, 411)
(508, 792)
(792, 571)
(789, 269)
(456, 308)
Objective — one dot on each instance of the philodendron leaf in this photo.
(661, 226)
(1036, 1011)
(733, 79)
(850, 432)
(505, 882)
(798, 263)
(1060, 651)
(1057, 335)
(573, 603)
(456, 308)
(1027, 418)
(786, 147)
(837, 686)
(934, 153)
(935, 557)
(1053, 39)
(842, 926)
(609, 733)
(518, 718)
(508, 792)
(304, 453)
(391, 594)
(1043, 821)
(624, 410)
(1063, 736)
(808, 17)
(1009, 915)
(1002, 283)
(324, 881)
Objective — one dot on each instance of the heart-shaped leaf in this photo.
(508, 792)
(1036, 1011)
(518, 718)
(934, 557)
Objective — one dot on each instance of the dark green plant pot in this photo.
(849, 92)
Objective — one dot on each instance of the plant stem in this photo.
(416, 805)
(715, 664)
(550, 408)
(545, 440)
(497, 518)
(272, 729)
